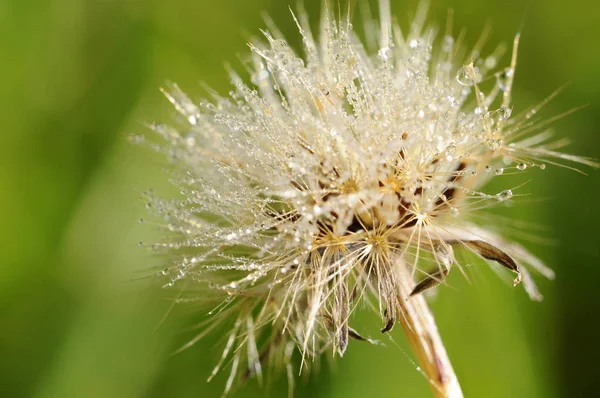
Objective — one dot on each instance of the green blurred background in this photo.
(79, 75)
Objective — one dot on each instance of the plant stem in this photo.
(420, 328)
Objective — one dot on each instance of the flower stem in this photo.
(419, 325)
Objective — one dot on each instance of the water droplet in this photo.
(542, 166)
(466, 75)
(448, 44)
(190, 140)
(413, 43)
(504, 112)
(192, 119)
(493, 144)
(504, 195)
(499, 171)
(503, 78)
(385, 53)
(530, 114)
(261, 75)
(454, 211)
(522, 166)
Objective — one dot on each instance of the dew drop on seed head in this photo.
(466, 75)
(522, 166)
(504, 112)
(385, 53)
(493, 144)
(504, 195)
(502, 78)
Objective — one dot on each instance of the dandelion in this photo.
(348, 174)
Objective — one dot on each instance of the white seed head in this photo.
(302, 186)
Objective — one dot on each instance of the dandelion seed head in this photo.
(301, 187)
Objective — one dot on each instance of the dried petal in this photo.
(491, 252)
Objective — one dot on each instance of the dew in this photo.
(454, 212)
(413, 43)
(502, 78)
(193, 120)
(493, 144)
(190, 140)
(499, 171)
(466, 75)
(542, 166)
(385, 53)
(504, 112)
(530, 114)
(504, 195)
(261, 75)
(445, 254)
(448, 44)
(522, 166)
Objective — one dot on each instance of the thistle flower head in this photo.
(333, 172)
